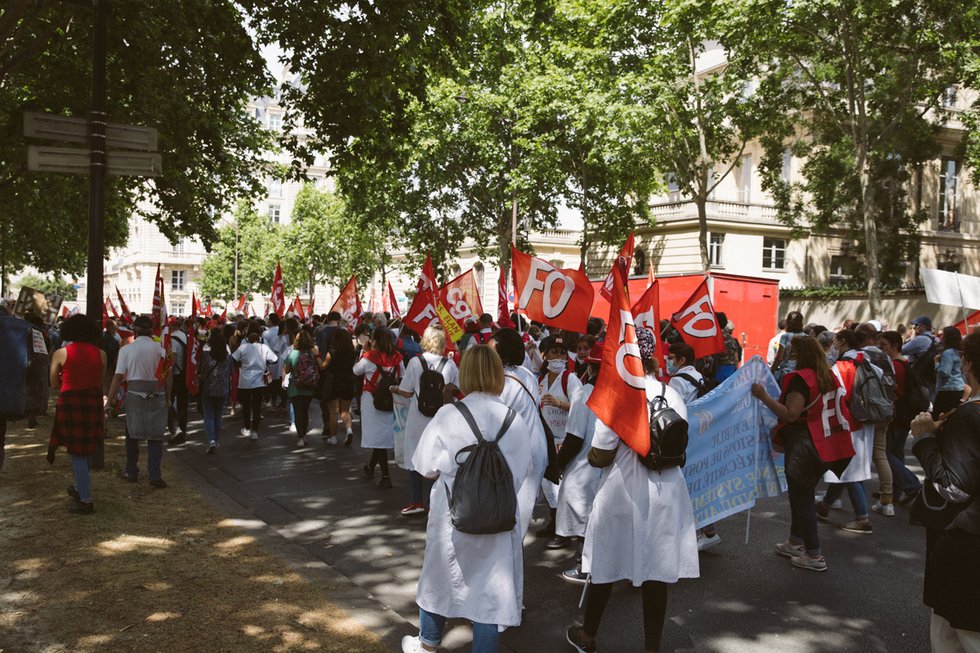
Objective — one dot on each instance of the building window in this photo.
(787, 172)
(275, 213)
(773, 254)
(274, 186)
(715, 243)
(673, 188)
(179, 247)
(949, 97)
(177, 308)
(275, 121)
(744, 179)
(480, 274)
(176, 279)
(843, 267)
(949, 174)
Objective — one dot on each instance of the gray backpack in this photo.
(483, 500)
(872, 402)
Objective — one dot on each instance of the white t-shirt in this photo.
(254, 357)
(138, 360)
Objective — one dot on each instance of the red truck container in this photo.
(751, 303)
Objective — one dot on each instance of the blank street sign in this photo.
(75, 130)
(43, 158)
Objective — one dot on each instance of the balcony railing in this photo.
(740, 211)
(949, 226)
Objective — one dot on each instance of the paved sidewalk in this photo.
(314, 507)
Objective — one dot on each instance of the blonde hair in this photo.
(434, 340)
(481, 371)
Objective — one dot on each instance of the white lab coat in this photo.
(580, 480)
(863, 439)
(556, 418)
(417, 422)
(377, 426)
(475, 577)
(527, 407)
(686, 389)
(642, 524)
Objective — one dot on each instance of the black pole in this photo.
(96, 175)
(97, 161)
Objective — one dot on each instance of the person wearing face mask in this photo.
(582, 349)
(684, 378)
(558, 387)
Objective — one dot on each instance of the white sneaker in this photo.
(412, 645)
(300, 442)
(292, 428)
(246, 432)
(887, 510)
(253, 435)
(333, 440)
(705, 542)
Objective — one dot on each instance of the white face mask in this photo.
(557, 366)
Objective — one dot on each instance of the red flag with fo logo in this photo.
(621, 266)
(620, 396)
(698, 324)
(559, 298)
(422, 311)
(278, 298)
(348, 304)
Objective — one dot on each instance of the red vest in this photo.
(827, 418)
(383, 361)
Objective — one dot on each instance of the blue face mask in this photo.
(672, 366)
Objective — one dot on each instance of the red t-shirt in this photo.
(83, 367)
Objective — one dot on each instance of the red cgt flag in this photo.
(348, 304)
(621, 267)
(558, 298)
(698, 324)
(461, 298)
(278, 298)
(620, 396)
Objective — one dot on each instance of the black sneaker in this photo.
(906, 498)
(385, 482)
(368, 471)
(158, 482)
(575, 635)
(80, 508)
(126, 477)
(180, 438)
(73, 493)
(350, 438)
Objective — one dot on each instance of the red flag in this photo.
(190, 364)
(429, 276)
(503, 312)
(126, 316)
(195, 307)
(619, 398)
(558, 298)
(298, 309)
(646, 308)
(621, 266)
(422, 311)
(698, 325)
(112, 309)
(461, 298)
(224, 314)
(208, 311)
(64, 313)
(241, 306)
(390, 304)
(309, 309)
(650, 279)
(159, 313)
(348, 304)
(278, 298)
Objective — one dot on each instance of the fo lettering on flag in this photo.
(698, 324)
(620, 396)
(348, 304)
(559, 298)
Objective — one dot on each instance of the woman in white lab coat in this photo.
(433, 347)
(474, 577)
(558, 387)
(377, 426)
(521, 394)
(642, 526)
(579, 479)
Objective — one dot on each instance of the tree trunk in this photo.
(312, 282)
(702, 203)
(870, 242)
(584, 249)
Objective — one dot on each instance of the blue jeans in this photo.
(486, 638)
(859, 500)
(905, 481)
(83, 482)
(212, 416)
(154, 458)
(420, 487)
(803, 516)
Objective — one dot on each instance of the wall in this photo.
(898, 308)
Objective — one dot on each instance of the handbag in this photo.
(930, 510)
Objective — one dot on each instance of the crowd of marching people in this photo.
(487, 426)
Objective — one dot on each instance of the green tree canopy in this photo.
(258, 245)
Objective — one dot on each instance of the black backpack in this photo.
(431, 385)
(668, 435)
(920, 379)
(483, 500)
(383, 400)
(704, 386)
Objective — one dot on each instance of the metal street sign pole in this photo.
(97, 166)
